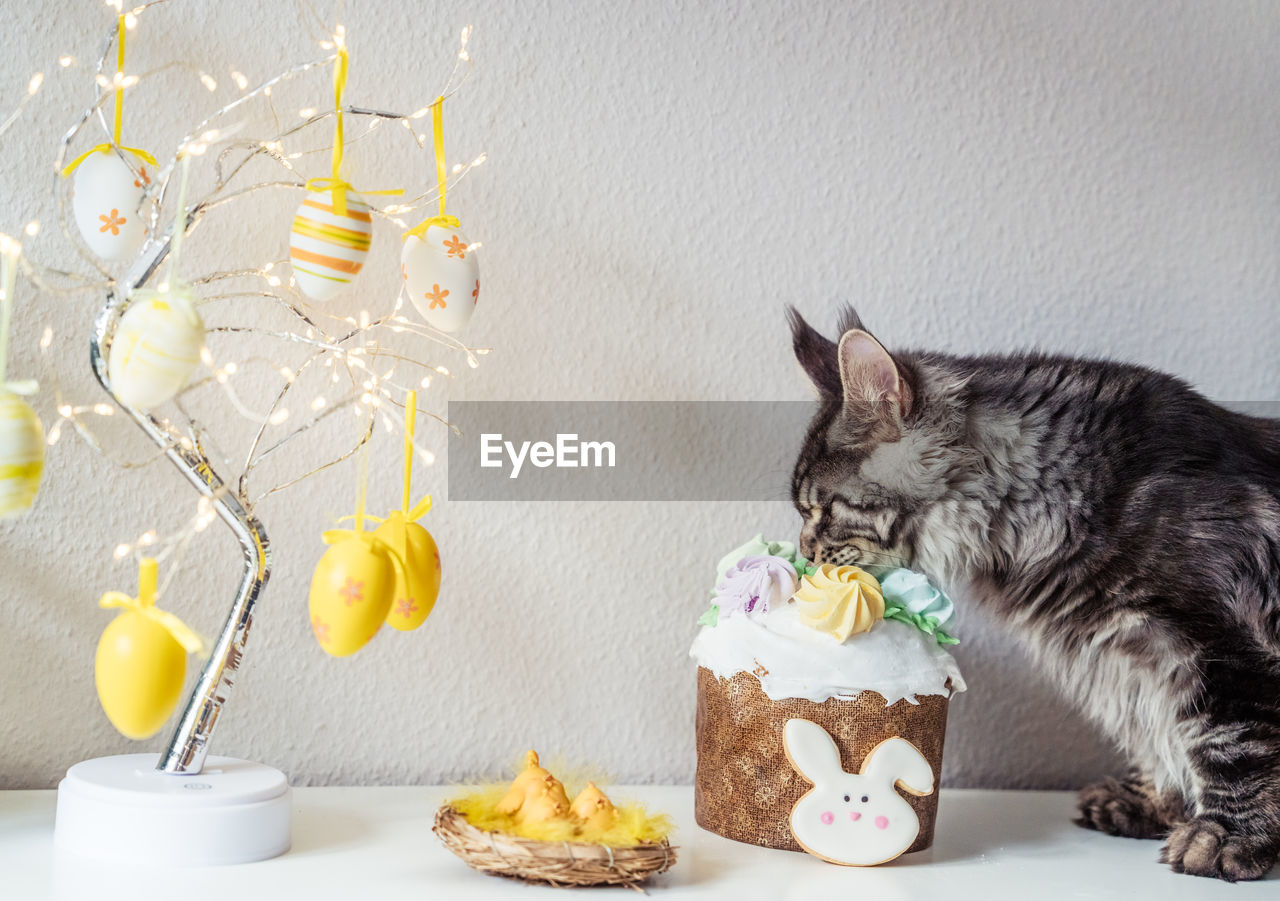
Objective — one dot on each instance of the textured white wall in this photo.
(1087, 177)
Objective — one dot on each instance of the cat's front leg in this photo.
(1130, 807)
(1234, 832)
(1205, 846)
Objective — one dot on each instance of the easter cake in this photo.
(860, 654)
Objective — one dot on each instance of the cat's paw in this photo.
(1130, 808)
(1202, 847)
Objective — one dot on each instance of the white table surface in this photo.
(376, 843)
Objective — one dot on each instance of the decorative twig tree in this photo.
(142, 350)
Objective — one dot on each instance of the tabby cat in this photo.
(1124, 525)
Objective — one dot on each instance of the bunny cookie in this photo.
(854, 819)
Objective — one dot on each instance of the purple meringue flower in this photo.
(754, 584)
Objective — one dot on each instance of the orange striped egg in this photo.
(328, 248)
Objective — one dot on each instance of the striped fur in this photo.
(1127, 527)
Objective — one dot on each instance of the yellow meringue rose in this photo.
(840, 600)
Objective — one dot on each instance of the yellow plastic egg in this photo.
(139, 670)
(21, 454)
(351, 592)
(142, 659)
(417, 583)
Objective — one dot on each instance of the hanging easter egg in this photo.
(442, 277)
(351, 592)
(327, 247)
(21, 454)
(155, 348)
(105, 200)
(417, 582)
(139, 670)
(141, 660)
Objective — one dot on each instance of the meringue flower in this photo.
(911, 598)
(840, 600)
(754, 584)
(759, 547)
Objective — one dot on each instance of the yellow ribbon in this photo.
(336, 536)
(334, 183)
(340, 189)
(119, 113)
(398, 518)
(442, 176)
(418, 510)
(145, 604)
(406, 514)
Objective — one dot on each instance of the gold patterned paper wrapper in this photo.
(745, 787)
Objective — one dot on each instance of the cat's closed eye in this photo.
(865, 506)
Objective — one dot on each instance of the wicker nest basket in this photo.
(562, 864)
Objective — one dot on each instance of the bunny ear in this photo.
(897, 761)
(811, 750)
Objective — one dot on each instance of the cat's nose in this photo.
(809, 546)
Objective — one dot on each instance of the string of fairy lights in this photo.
(364, 375)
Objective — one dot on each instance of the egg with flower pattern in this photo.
(442, 277)
(106, 203)
(351, 592)
(417, 582)
(21, 454)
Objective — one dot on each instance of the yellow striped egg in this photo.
(155, 348)
(328, 248)
(21, 455)
(441, 276)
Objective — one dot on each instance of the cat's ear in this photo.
(816, 354)
(850, 320)
(869, 377)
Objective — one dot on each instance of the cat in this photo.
(1124, 525)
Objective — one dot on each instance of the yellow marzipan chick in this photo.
(535, 796)
(595, 809)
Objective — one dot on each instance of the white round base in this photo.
(124, 810)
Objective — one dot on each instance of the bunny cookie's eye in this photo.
(846, 799)
(864, 799)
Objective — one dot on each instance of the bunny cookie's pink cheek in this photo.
(882, 822)
(854, 815)
(827, 818)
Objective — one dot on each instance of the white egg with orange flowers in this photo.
(442, 276)
(107, 203)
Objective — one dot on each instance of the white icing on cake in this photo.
(792, 660)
